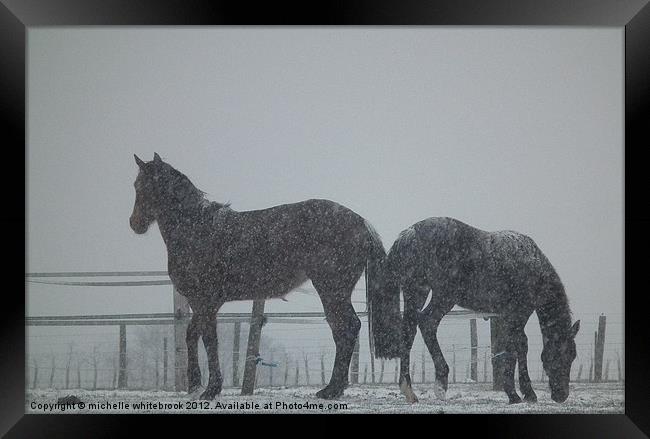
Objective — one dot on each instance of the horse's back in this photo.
(307, 209)
(446, 233)
(313, 219)
(285, 244)
(432, 243)
(477, 269)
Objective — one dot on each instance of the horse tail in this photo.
(382, 299)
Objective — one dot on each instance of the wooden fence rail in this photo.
(182, 314)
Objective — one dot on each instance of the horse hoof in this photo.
(329, 393)
(439, 391)
(209, 394)
(532, 398)
(515, 399)
(412, 399)
(195, 392)
(407, 391)
(205, 396)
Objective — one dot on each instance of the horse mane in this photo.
(405, 237)
(555, 315)
(186, 190)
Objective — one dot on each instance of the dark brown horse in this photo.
(216, 254)
(493, 272)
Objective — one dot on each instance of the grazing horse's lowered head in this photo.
(557, 356)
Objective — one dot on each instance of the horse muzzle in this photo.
(138, 227)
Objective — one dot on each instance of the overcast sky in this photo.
(502, 128)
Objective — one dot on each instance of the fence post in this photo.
(181, 312)
(297, 373)
(271, 371)
(253, 348)
(143, 370)
(595, 356)
(165, 363)
(306, 369)
(67, 368)
(599, 349)
(94, 367)
(52, 372)
(322, 369)
(354, 366)
(424, 371)
(78, 374)
(485, 365)
(453, 364)
(497, 346)
(286, 369)
(157, 366)
(365, 374)
(35, 374)
(235, 354)
(381, 371)
(114, 373)
(618, 366)
(396, 373)
(474, 351)
(122, 378)
(372, 367)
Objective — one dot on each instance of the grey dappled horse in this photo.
(493, 272)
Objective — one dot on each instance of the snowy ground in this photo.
(461, 398)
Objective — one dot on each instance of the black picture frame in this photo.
(634, 15)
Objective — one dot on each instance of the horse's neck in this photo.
(178, 221)
(554, 316)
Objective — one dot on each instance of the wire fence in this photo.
(296, 349)
(87, 359)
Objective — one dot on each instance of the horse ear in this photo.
(575, 328)
(138, 161)
(156, 158)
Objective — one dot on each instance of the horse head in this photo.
(557, 356)
(147, 203)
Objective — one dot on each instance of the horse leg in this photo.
(524, 379)
(509, 361)
(192, 342)
(210, 341)
(345, 326)
(413, 301)
(428, 321)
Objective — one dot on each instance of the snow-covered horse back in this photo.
(494, 272)
(216, 254)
